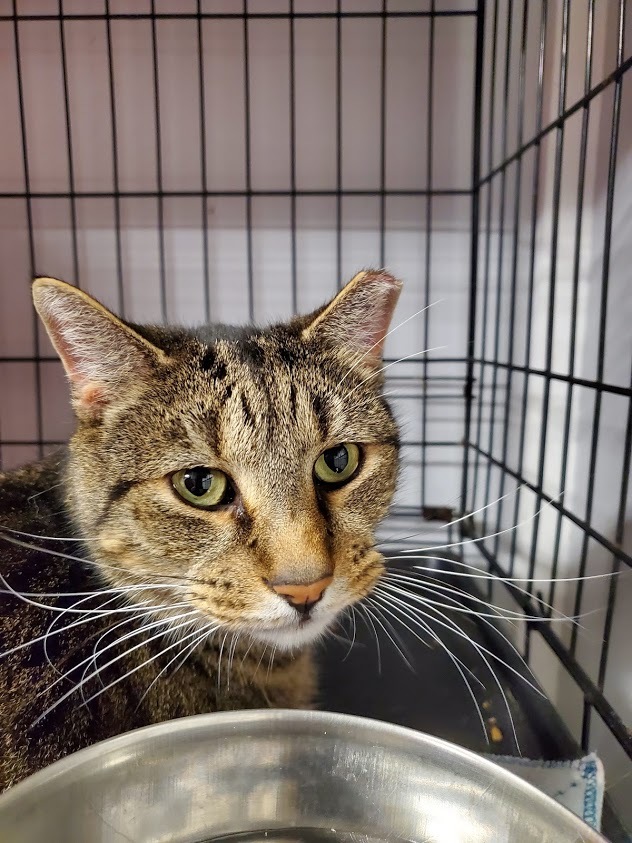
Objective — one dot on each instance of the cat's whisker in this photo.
(219, 661)
(354, 627)
(460, 666)
(134, 632)
(425, 628)
(231, 656)
(481, 652)
(183, 654)
(453, 627)
(93, 662)
(376, 614)
(253, 640)
(49, 631)
(97, 565)
(455, 521)
(96, 651)
(271, 661)
(465, 542)
(463, 610)
(498, 612)
(393, 363)
(146, 662)
(44, 491)
(482, 575)
(383, 339)
(368, 621)
(458, 603)
(117, 658)
(46, 538)
(263, 652)
(489, 666)
(21, 596)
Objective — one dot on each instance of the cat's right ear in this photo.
(104, 359)
(358, 318)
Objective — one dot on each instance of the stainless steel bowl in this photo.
(280, 776)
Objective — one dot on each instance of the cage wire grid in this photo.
(478, 149)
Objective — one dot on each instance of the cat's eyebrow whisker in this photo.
(392, 331)
(117, 658)
(460, 666)
(455, 521)
(394, 363)
(464, 542)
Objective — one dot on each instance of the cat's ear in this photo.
(105, 360)
(357, 319)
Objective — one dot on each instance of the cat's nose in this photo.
(302, 596)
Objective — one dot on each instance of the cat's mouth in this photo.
(297, 632)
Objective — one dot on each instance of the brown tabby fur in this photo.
(260, 405)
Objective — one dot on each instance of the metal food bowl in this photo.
(281, 776)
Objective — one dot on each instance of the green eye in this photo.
(202, 486)
(337, 464)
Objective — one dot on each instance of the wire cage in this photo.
(226, 161)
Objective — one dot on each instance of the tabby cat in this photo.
(212, 515)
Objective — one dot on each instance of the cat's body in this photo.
(179, 588)
(26, 746)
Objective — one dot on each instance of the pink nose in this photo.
(302, 596)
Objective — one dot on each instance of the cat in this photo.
(211, 517)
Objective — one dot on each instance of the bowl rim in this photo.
(316, 721)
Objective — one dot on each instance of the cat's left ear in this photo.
(105, 360)
(358, 318)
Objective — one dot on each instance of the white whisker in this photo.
(383, 339)
(464, 542)
(144, 663)
(376, 609)
(510, 615)
(366, 617)
(457, 631)
(394, 363)
(455, 521)
(112, 661)
(460, 666)
(186, 651)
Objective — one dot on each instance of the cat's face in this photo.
(244, 472)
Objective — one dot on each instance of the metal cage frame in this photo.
(483, 367)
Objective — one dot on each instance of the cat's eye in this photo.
(202, 486)
(338, 464)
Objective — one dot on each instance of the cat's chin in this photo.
(293, 636)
